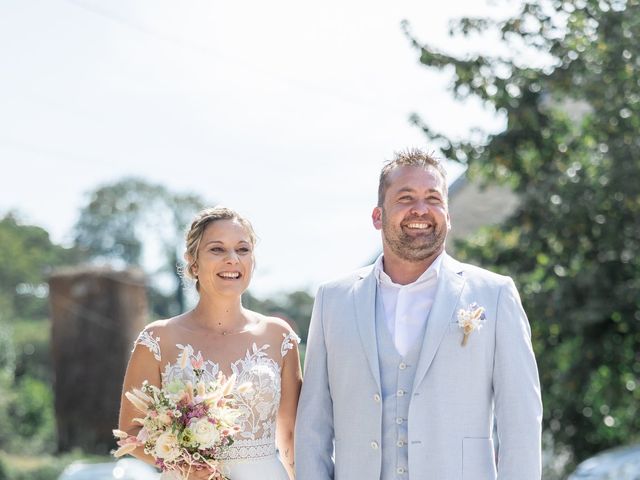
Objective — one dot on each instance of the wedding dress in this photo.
(253, 454)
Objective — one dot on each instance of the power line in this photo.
(209, 51)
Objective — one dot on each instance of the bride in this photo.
(228, 338)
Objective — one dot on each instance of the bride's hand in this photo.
(203, 474)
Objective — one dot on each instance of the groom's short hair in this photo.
(412, 157)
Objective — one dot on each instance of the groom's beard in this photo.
(414, 248)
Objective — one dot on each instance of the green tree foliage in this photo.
(26, 400)
(27, 256)
(124, 221)
(7, 371)
(31, 420)
(570, 149)
(295, 307)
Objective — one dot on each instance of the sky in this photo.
(282, 110)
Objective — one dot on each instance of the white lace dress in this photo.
(253, 454)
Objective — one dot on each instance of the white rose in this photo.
(167, 447)
(228, 416)
(204, 433)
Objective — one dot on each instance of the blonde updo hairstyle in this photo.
(195, 233)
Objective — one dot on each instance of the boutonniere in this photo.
(470, 320)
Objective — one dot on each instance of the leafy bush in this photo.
(31, 340)
(26, 401)
(45, 472)
(32, 417)
(7, 367)
(3, 471)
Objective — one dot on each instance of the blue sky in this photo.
(282, 110)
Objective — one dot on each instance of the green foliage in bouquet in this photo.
(186, 426)
(571, 151)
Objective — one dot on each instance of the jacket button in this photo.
(402, 366)
(376, 398)
(400, 470)
(400, 393)
(374, 445)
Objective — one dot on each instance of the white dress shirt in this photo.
(407, 307)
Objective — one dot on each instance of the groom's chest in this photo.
(351, 337)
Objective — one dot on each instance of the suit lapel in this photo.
(450, 286)
(364, 296)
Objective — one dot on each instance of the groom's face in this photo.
(414, 217)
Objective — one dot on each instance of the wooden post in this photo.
(96, 315)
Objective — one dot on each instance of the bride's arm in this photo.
(143, 365)
(290, 392)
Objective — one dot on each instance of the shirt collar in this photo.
(432, 272)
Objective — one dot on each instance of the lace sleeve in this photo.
(287, 343)
(153, 344)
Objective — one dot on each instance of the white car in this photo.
(123, 469)
(621, 463)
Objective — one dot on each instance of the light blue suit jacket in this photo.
(456, 392)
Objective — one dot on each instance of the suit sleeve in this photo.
(314, 426)
(518, 405)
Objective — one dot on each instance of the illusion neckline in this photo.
(250, 353)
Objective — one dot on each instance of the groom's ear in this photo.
(376, 217)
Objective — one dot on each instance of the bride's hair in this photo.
(195, 232)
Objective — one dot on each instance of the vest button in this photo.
(401, 393)
(400, 470)
(402, 366)
(400, 443)
(374, 445)
(399, 420)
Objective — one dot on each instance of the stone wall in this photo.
(96, 315)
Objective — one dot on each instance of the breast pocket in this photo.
(478, 459)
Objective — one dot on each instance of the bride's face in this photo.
(225, 258)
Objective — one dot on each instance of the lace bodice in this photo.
(259, 405)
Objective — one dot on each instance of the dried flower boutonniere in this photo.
(470, 320)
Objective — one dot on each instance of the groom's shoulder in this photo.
(480, 274)
(347, 281)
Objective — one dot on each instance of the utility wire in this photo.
(208, 52)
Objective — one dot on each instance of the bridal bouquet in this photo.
(185, 426)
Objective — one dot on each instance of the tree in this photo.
(294, 307)
(133, 222)
(27, 256)
(570, 149)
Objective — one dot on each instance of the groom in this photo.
(410, 361)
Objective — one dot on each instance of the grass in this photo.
(41, 467)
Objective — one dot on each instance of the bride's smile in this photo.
(224, 260)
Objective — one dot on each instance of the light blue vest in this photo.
(396, 378)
